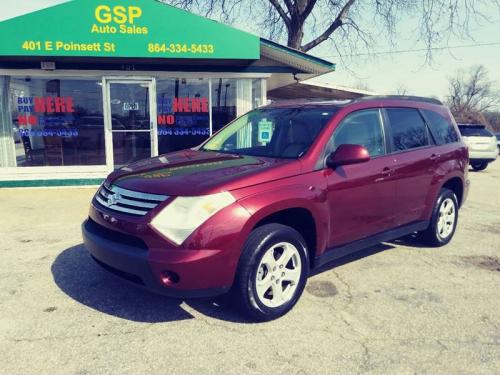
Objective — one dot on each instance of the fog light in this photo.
(169, 278)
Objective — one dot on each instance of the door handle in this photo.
(386, 172)
(434, 157)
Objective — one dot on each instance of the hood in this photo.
(191, 173)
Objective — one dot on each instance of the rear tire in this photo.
(272, 272)
(479, 166)
(444, 220)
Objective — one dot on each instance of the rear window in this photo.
(473, 131)
(408, 129)
(441, 129)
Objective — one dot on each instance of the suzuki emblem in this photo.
(114, 199)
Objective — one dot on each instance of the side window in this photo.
(361, 128)
(442, 130)
(408, 129)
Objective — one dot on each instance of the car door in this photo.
(361, 197)
(416, 161)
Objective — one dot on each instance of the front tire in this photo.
(479, 166)
(444, 220)
(272, 272)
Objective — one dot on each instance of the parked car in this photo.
(278, 193)
(498, 141)
(482, 144)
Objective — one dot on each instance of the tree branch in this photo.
(337, 22)
(281, 11)
(308, 9)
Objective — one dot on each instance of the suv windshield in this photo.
(474, 131)
(274, 132)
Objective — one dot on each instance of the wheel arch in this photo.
(456, 185)
(298, 214)
(298, 218)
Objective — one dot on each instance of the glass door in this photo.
(131, 121)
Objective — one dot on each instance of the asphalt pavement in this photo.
(394, 308)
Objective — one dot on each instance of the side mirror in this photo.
(347, 154)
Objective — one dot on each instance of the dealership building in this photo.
(87, 86)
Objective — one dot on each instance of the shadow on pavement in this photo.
(353, 257)
(411, 240)
(77, 275)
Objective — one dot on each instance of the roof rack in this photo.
(400, 97)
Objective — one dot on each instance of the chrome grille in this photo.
(128, 201)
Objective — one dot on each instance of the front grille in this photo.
(115, 198)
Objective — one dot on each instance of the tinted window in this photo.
(408, 129)
(275, 132)
(474, 131)
(362, 128)
(442, 130)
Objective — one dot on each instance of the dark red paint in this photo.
(358, 198)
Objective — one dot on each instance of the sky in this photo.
(383, 73)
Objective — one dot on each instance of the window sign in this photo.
(130, 106)
(265, 129)
(183, 113)
(57, 121)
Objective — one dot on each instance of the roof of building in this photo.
(294, 57)
(317, 90)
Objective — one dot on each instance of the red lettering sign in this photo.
(190, 105)
(39, 104)
(166, 119)
(51, 104)
(24, 120)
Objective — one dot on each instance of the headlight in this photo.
(181, 217)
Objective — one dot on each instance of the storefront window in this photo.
(183, 113)
(223, 102)
(257, 93)
(57, 121)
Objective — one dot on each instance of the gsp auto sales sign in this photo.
(125, 28)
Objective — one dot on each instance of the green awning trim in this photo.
(51, 183)
(124, 28)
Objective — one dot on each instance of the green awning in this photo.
(124, 28)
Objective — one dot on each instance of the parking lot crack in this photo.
(346, 285)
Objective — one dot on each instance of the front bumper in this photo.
(133, 262)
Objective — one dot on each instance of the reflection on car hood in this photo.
(192, 173)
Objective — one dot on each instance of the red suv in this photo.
(279, 192)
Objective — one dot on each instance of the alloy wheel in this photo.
(447, 217)
(278, 274)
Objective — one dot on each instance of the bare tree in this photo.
(472, 94)
(402, 90)
(350, 24)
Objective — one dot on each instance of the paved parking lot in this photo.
(395, 308)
